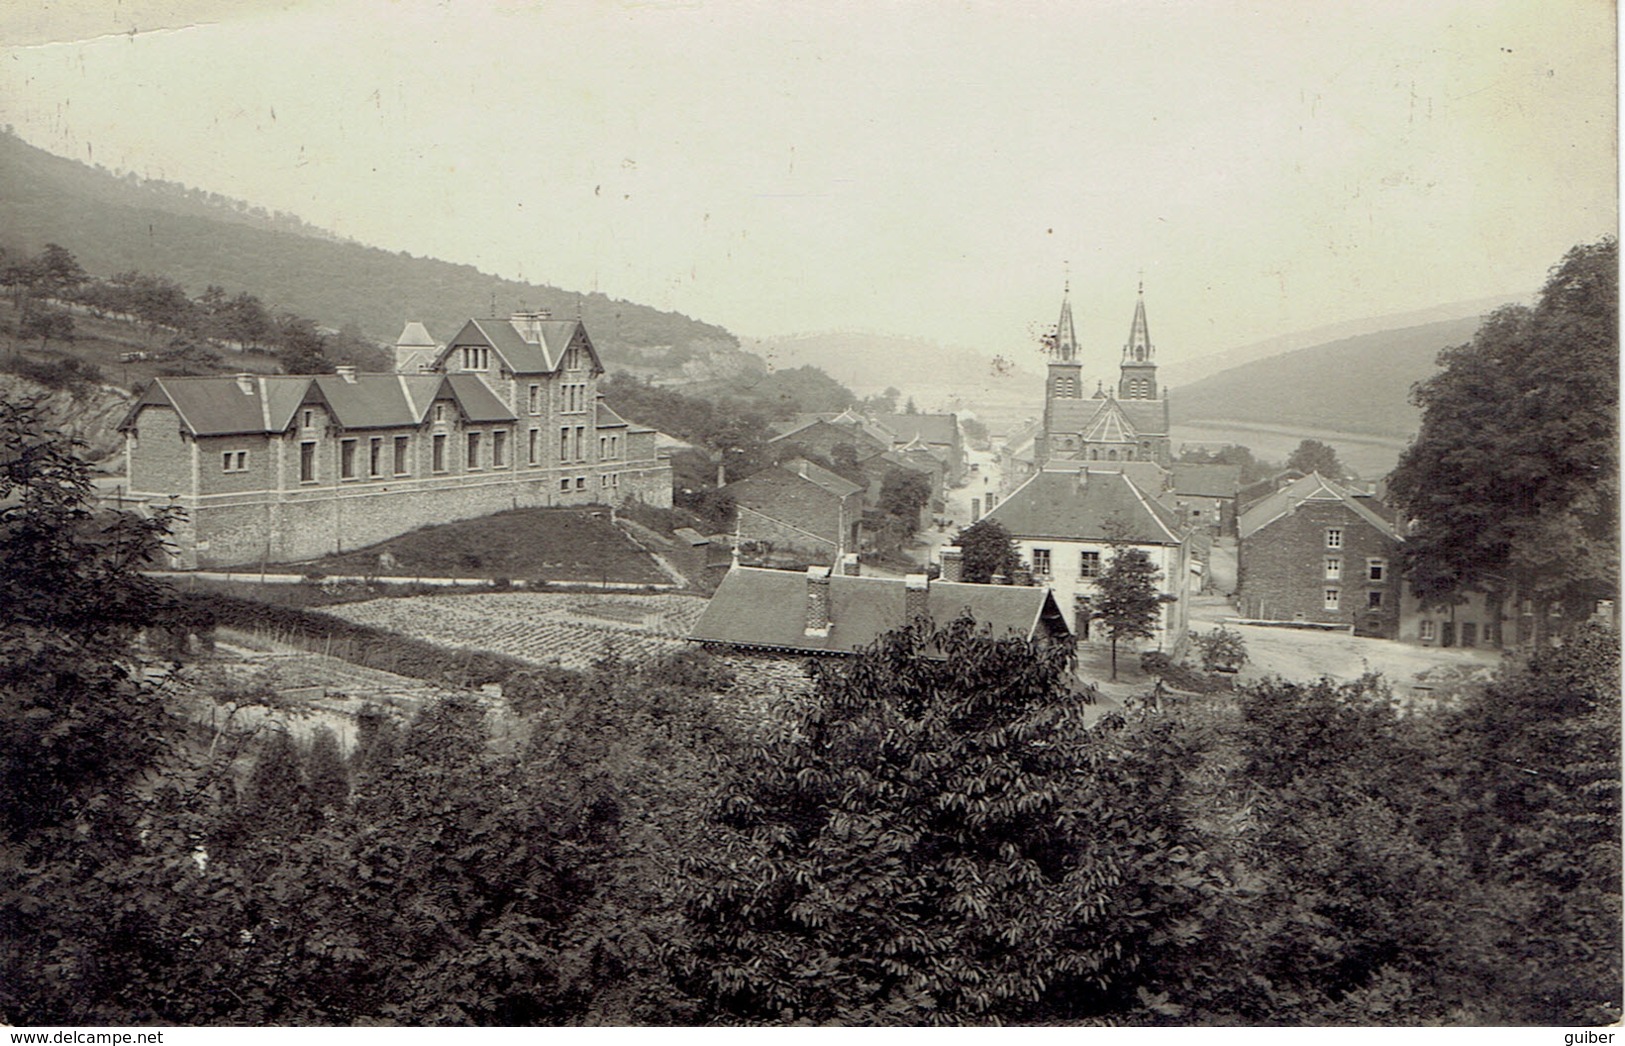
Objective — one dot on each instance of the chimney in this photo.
(953, 563)
(849, 565)
(1021, 576)
(246, 383)
(529, 324)
(817, 601)
(916, 587)
(347, 372)
(999, 579)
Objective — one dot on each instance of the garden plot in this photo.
(568, 629)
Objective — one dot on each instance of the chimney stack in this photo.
(916, 589)
(529, 324)
(817, 601)
(347, 372)
(246, 383)
(849, 565)
(953, 563)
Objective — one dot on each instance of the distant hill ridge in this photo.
(113, 224)
(1358, 385)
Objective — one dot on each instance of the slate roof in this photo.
(1207, 481)
(521, 356)
(1057, 505)
(767, 609)
(1142, 417)
(416, 336)
(930, 428)
(840, 486)
(217, 405)
(1312, 487)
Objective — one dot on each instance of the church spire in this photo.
(1138, 379)
(1138, 349)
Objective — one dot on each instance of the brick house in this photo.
(1318, 551)
(799, 510)
(280, 468)
(821, 437)
(1063, 524)
(1205, 495)
(822, 612)
(937, 433)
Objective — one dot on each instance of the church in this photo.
(1125, 423)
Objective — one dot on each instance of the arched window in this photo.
(1111, 455)
(1094, 455)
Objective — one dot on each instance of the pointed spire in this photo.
(1066, 338)
(1138, 349)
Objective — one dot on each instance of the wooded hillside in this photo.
(116, 224)
(1358, 384)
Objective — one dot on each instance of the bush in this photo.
(67, 373)
(1222, 650)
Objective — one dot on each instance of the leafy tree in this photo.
(301, 348)
(904, 493)
(987, 549)
(59, 272)
(938, 838)
(46, 323)
(1312, 455)
(1130, 603)
(1512, 484)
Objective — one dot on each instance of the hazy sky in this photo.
(925, 169)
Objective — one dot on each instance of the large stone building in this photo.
(1128, 422)
(1065, 525)
(1316, 551)
(280, 468)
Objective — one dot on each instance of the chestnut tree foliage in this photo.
(943, 832)
(940, 838)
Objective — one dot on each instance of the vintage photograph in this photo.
(742, 513)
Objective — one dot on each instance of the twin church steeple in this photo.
(1125, 423)
(1137, 379)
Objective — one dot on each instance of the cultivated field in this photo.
(568, 629)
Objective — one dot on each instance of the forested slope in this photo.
(116, 224)
(1357, 384)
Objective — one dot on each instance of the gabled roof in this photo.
(523, 356)
(800, 469)
(1077, 506)
(840, 486)
(415, 336)
(929, 428)
(218, 405)
(1110, 425)
(767, 609)
(845, 431)
(1311, 488)
(1207, 481)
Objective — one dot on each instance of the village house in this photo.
(1064, 524)
(282, 468)
(798, 510)
(1477, 621)
(828, 613)
(1205, 495)
(1317, 551)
